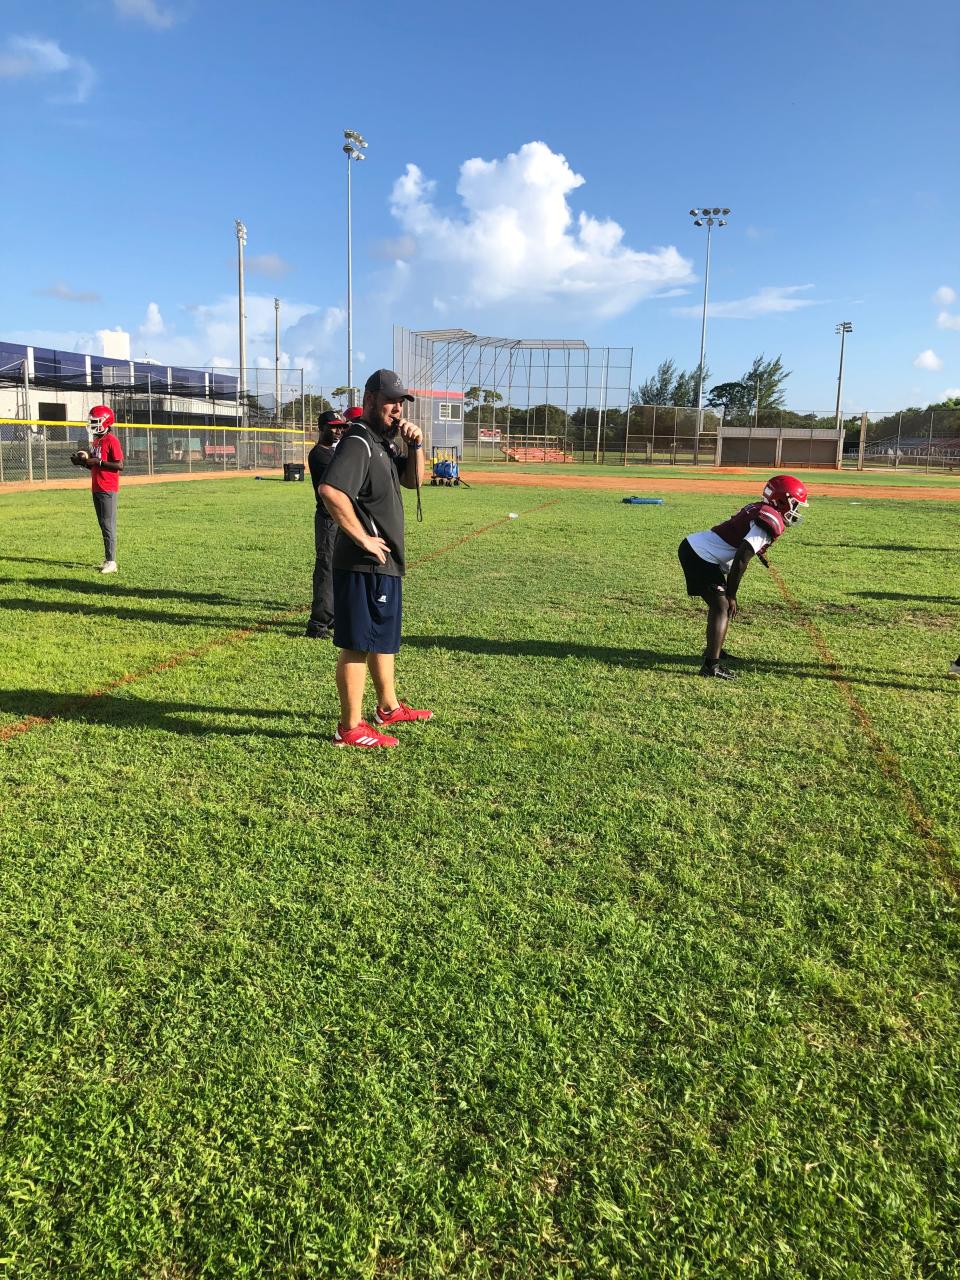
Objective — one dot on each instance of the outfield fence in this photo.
(35, 451)
(925, 440)
(668, 435)
(651, 435)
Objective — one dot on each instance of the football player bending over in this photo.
(715, 560)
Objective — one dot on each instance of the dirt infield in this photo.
(660, 485)
(723, 482)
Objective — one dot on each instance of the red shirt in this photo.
(105, 449)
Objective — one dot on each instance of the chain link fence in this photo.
(666, 435)
(649, 435)
(925, 440)
(42, 452)
(170, 421)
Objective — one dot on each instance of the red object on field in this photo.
(363, 736)
(401, 714)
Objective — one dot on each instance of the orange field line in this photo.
(485, 529)
(886, 759)
(232, 637)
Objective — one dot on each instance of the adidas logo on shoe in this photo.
(363, 736)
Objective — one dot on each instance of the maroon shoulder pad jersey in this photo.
(734, 530)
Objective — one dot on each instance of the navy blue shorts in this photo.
(366, 611)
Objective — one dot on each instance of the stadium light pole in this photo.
(708, 218)
(843, 328)
(241, 241)
(276, 361)
(353, 148)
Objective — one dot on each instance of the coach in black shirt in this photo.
(361, 491)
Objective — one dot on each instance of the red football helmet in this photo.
(787, 495)
(100, 420)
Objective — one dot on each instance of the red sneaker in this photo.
(364, 736)
(400, 714)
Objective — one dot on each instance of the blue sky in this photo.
(529, 173)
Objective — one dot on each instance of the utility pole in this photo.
(241, 389)
(708, 218)
(353, 148)
(843, 329)
(276, 361)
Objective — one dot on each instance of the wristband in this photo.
(418, 445)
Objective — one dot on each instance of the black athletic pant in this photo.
(105, 505)
(324, 533)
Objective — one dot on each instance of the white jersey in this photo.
(711, 547)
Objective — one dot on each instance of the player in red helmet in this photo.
(104, 461)
(715, 560)
(100, 420)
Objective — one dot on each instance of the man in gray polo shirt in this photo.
(361, 490)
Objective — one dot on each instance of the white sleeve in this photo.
(758, 537)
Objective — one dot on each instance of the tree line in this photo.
(759, 390)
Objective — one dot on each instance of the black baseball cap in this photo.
(387, 383)
(331, 418)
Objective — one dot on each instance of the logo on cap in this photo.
(331, 418)
(387, 383)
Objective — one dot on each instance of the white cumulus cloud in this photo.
(928, 360)
(517, 239)
(153, 324)
(29, 57)
(767, 301)
(147, 11)
(951, 393)
(947, 320)
(945, 296)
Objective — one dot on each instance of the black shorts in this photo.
(366, 611)
(700, 574)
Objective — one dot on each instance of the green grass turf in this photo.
(607, 972)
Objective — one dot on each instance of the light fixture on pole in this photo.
(353, 148)
(843, 328)
(241, 385)
(708, 218)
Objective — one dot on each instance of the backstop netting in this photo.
(169, 419)
(519, 399)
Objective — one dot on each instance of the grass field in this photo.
(607, 972)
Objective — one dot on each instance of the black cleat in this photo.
(315, 632)
(716, 672)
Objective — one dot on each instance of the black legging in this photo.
(324, 533)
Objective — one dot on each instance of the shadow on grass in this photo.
(171, 717)
(903, 595)
(63, 564)
(108, 586)
(875, 546)
(656, 660)
(126, 614)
